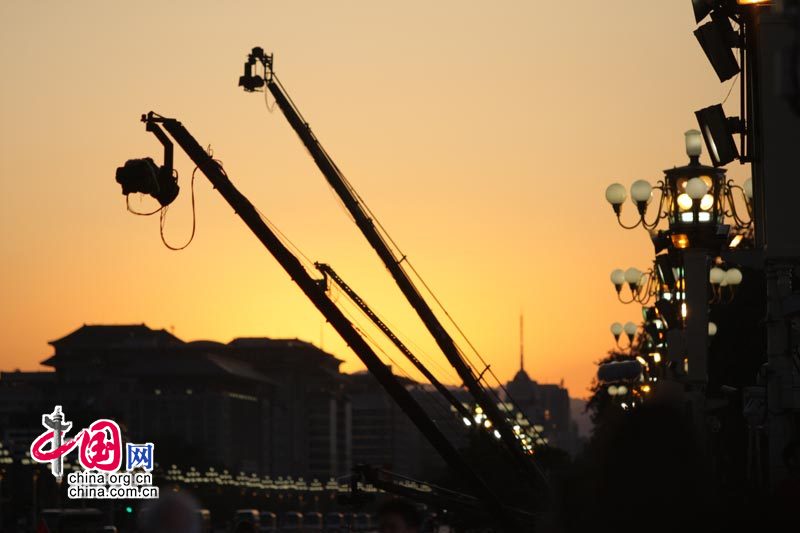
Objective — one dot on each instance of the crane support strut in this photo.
(316, 293)
(533, 475)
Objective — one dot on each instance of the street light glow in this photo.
(680, 240)
(684, 202)
(733, 276)
(716, 275)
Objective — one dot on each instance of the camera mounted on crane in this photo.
(250, 81)
(144, 176)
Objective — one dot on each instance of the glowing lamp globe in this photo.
(712, 329)
(616, 194)
(694, 143)
(733, 276)
(641, 191)
(633, 275)
(684, 202)
(696, 188)
(617, 276)
(716, 275)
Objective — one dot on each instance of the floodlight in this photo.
(718, 130)
(716, 38)
(665, 273)
(701, 9)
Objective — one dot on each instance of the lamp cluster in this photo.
(693, 215)
(691, 198)
(694, 202)
(659, 284)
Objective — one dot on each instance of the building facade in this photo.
(263, 406)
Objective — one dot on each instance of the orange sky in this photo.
(483, 136)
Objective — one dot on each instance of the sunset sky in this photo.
(483, 136)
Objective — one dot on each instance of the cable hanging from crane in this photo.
(309, 264)
(162, 212)
(163, 218)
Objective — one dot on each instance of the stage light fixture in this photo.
(718, 130)
(665, 272)
(716, 38)
(701, 9)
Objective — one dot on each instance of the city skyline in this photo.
(476, 200)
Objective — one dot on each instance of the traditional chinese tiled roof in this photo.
(116, 335)
(110, 337)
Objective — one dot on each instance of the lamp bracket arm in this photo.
(659, 213)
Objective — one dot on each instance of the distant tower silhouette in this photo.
(522, 388)
(521, 383)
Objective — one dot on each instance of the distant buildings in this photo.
(383, 436)
(272, 407)
(546, 405)
(256, 405)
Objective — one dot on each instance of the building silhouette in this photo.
(546, 405)
(264, 406)
(271, 407)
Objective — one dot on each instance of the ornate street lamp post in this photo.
(695, 200)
